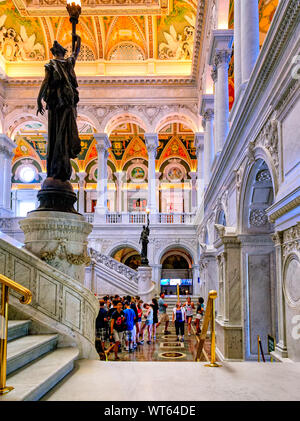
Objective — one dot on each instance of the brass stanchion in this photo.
(213, 296)
(3, 340)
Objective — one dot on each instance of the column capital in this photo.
(119, 176)
(221, 40)
(222, 57)
(207, 107)
(193, 175)
(7, 146)
(199, 140)
(151, 140)
(81, 175)
(102, 140)
(214, 74)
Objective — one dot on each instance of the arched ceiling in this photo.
(115, 34)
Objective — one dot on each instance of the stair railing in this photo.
(208, 318)
(26, 297)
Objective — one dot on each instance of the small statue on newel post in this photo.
(55, 231)
(59, 92)
(144, 239)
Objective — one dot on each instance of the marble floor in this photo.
(146, 375)
(165, 348)
(184, 381)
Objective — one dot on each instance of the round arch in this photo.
(116, 247)
(16, 120)
(89, 117)
(112, 121)
(260, 157)
(173, 246)
(187, 118)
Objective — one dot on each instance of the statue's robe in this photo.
(61, 97)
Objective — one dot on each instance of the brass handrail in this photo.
(209, 317)
(26, 297)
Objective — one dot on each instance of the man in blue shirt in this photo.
(130, 322)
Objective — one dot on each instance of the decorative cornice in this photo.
(283, 206)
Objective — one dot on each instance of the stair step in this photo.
(37, 378)
(23, 350)
(17, 329)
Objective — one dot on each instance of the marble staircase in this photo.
(34, 363)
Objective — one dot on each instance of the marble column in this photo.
(120, 178)
(6, 154)
(81, 198)
(219, 56)
(199, 145)
(151, 140)
(193, 175)
(157, 186)
(103, 144)
(237, 46)
(196, 280)
(214, 76)
(249, 37)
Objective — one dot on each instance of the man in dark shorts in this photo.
(117, 328)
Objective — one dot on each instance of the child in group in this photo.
(148, 323)
(130, 323)
(179, 317)
(139, 320)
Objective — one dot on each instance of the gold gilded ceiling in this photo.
(119, 37)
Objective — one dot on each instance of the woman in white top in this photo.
(189, 309)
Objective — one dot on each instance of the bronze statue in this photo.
(59, 91)
(144, 239)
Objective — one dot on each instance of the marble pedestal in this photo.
(60, 239)
(146, 287)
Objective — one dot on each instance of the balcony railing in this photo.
(140, 218)
(115, 218)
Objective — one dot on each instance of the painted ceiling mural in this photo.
(166, 32)
(176, 141)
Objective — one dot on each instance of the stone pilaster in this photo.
(151, 140)
(229, 328)
(103, 144)
(6, 154)
(281, 346)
